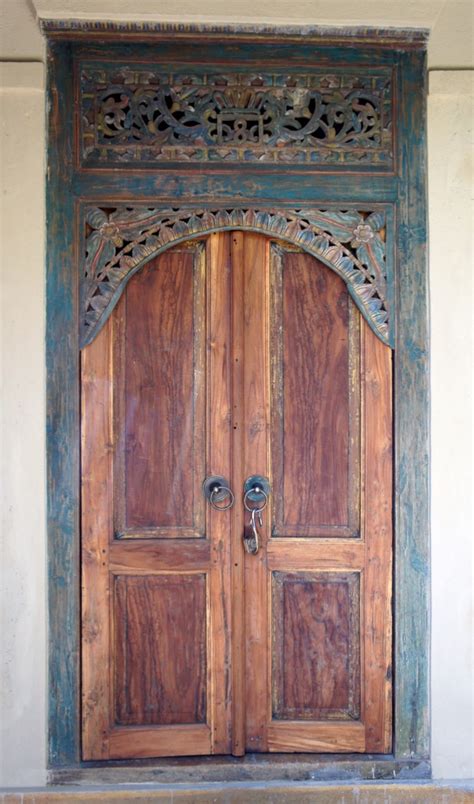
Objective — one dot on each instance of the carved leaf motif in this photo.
(121, 240)
(149, 115)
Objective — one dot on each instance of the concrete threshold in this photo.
(446, 792)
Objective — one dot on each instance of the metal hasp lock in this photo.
(256, 493)
(217, 490)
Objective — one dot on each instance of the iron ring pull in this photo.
(218, 490)
(258, 508)
(254, 489)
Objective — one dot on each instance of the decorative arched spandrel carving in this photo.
(119, 240)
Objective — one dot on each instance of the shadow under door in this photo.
(236, 356)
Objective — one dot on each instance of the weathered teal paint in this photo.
(62, 358)
(294, 186)
(412, 488)
(285, 186)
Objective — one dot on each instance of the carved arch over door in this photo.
(120, 240)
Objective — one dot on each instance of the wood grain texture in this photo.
(315, 399)
(160, 555)
(315, 629)
(315, 415)
(160, 649)
(412, 422)
(166, 640)
(97, 530)
(161, 415)
(305, 554)
(236, 255)
(378, 534)
(316, 737)
(251, 257)
(139, 742)
(219, 462)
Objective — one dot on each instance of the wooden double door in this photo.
(236, 356)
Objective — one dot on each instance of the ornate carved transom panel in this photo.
(119, 239)
(143, 113)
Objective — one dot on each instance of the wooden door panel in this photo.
(160, 399)
(315, 400)
(160, 649)
(315, 634)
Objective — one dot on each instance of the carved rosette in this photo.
(141, 113)
(121, 240)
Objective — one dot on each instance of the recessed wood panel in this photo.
(160, 649)
(316, 669)
(160, 404)
(315, 384)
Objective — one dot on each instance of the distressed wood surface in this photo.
(160, 680)
(187, 740)
(412, 425)
(211, 116)
(234, 247)
(315, 411)
(252, 253)
(97, 524)
(378, 535)
(316, 666)
(285, 186)
(163, 433)
(220, 461)
(315, 737)
(62, 423)
(156, 610)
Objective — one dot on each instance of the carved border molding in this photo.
(408, 37)
(120, 239)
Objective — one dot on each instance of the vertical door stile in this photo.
(219, 523)
(236, 243)
(97, 524)
(377, 633)
(255, 257)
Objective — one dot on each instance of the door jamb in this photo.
(411, 423)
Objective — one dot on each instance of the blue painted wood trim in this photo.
(285, 186)
(412, 446)
(227, 51)
(62, 359)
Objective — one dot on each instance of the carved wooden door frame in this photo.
(354, 198)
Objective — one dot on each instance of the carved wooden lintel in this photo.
(145, 113)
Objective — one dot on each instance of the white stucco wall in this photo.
(22, 602)
(22, 456)
(451, 266)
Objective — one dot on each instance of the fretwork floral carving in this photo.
(121, 239)
(139, 113)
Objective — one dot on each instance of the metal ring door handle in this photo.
(217, 490)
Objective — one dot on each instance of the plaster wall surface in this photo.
(22, 461)
(450, 142)
(22, 453)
